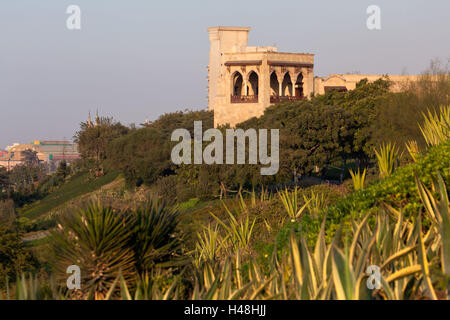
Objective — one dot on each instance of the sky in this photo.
(137, 59)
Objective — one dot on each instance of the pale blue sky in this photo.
(137, 59)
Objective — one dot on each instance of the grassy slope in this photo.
(78, 185)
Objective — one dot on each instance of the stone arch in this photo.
(286, 86)
(298, 86)
(252, 84)
(237, 84)
(274, 84)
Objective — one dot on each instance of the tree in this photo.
(29, 157)
(63, 169)
(144, 155)
(15, 258)
(93, 140)
(4, 183)
(23, 178)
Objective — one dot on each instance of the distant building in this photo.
(243, 80)
(9, 160)
(49, 152)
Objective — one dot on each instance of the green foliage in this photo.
(7, 212)
(144, 155)
(399, 188)
(106, 243)
(412, 262)
(413, 149)
(358, 179)
(136, 157)
(95, 239)
(315, 203)
(291, 204)
(210, 245)
(239, 228)
(63, 169)
(397, 115)
(387, 158)
(4, 183)
(93, 140)
(154, 239)
(439, 213)
(436, 126)
(81, 183)
(23, 180)
(15, 258)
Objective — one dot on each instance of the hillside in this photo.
(78, 185)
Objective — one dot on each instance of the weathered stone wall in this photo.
(350, 80)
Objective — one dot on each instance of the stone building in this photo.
(243, 80)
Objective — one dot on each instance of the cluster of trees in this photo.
(142, 155)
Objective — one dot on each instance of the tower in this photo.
(222, 39)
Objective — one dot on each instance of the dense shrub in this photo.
(398, 189)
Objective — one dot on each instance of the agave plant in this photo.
(387, 157)
(291, 204)
(436, 126)
(358, 179)
(145, 287)
(34, 288)
(315, 203)
(209, 245)
(439, 213)
(413, 149)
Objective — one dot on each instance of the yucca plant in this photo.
(145, 287)
(264, 196)
(35, 288)
(291, 204)
(96, 239)
(209, 244)
(239, 229)
(315, 203)
(216, 281)
(387, 157)
(413, 149)
(358, 179)
(153, 239)
(436, 126)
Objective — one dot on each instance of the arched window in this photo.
(253, 85)
(237, 82)
(299, 86)
(274, 85)
(286, 85)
